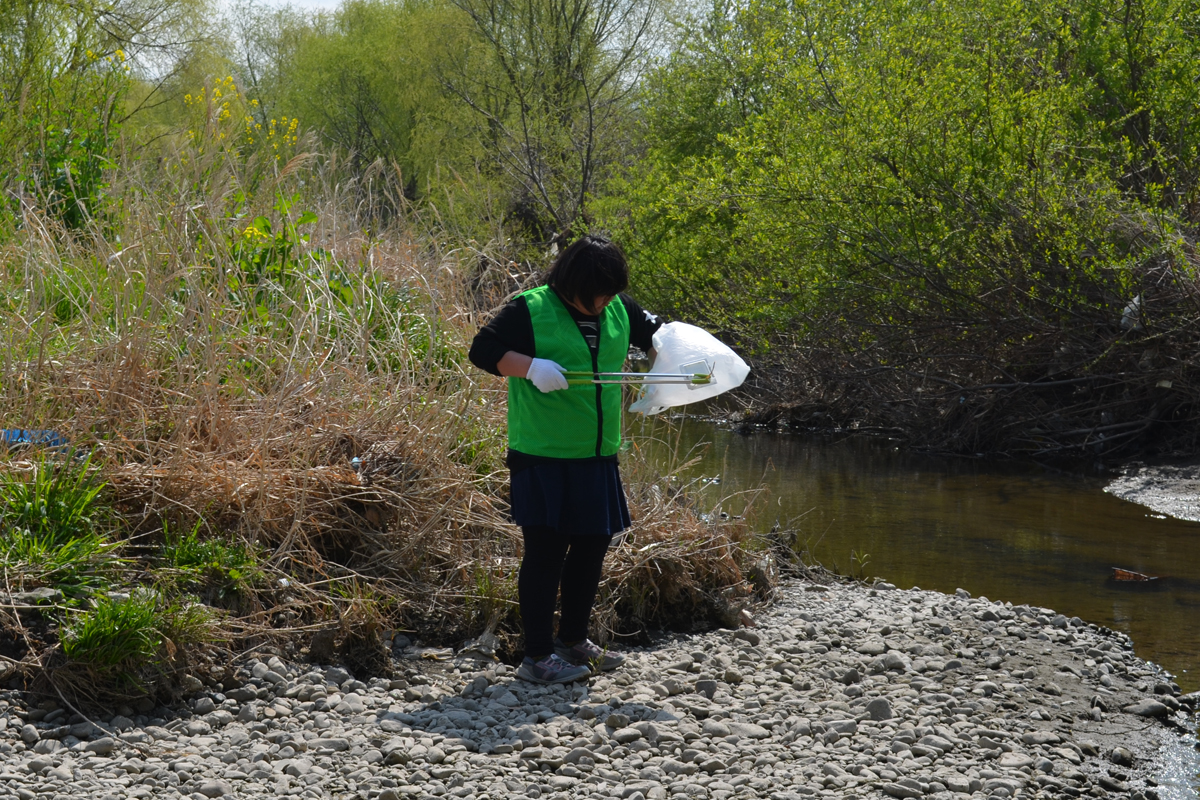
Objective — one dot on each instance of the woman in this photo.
(563, 441)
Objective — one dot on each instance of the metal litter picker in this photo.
(698, 374)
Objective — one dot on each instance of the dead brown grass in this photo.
(351, 443)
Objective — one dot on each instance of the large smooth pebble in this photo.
(215, 789)
(1014, 760)
(626, 735)
(1147, 708)
(748, 730)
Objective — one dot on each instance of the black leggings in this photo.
(550, 557)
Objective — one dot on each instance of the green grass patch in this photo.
(116, 631)
(132, 637)
(228, 567)
(51, 527)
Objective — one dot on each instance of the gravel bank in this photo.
(1171, 490)
(840, 691)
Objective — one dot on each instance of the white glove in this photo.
(546, 375)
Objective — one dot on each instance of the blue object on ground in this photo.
(14, 437)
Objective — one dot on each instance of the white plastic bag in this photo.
(685, 348)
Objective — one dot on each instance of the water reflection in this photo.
(1010, 532)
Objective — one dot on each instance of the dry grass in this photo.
(329, 419)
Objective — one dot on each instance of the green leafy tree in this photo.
(65, 70)
(900, 203)
(913, 160)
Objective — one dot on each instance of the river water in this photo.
(1014, 532)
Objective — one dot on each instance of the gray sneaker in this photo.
(590, 653)
(551, 669)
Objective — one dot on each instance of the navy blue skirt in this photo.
(573, 497)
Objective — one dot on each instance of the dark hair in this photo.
(591, 267)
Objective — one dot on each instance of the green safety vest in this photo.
(582, 421)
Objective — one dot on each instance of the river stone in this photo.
(351, 704)
(1014, 760)
(846, 727)
(242, 694)
(872, 647)
(61, 773)
(297, 767)
(101, 747)
(707, 688)
(713, 727)
(576, 754)
(336, 744)
(626, 735)
(36, 765)
(747, 636)
(1121, 757)
(959, 784)
(748, 730)
(900, 790)
(1147, 708)
(1041, 737)
(215, 789)
(937, 742)
(30, 734)
(1113, 785)
(879, 709)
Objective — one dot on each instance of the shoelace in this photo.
(552, 664)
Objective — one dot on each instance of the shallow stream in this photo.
(1014, 532)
